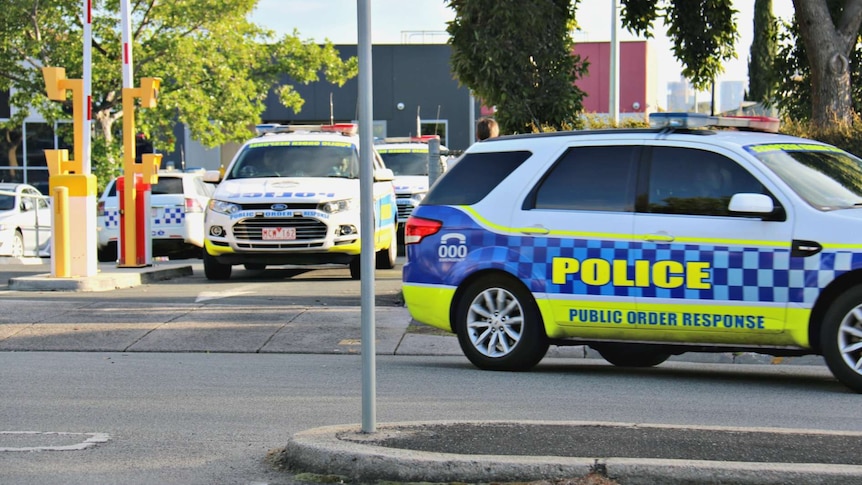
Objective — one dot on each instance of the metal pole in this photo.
(366, 204)
(614, 92)
(433, 161)
(87, 97)
(126, 21)
(472, 110)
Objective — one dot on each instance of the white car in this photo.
(291, 196)
(177, 204)
(25, 221)
(407, 157)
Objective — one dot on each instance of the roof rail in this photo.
(701, 120)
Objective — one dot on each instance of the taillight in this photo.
(192, 205)
(418, 228)
(100, 208)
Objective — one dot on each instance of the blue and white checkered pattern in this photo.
(737, 273)
(165, 216)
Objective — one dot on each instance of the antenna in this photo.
(437, 125)
(418, 122)
(331, 110)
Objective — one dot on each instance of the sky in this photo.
(418, 21)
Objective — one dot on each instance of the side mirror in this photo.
(384, 175)
(212, 176)
(751, 203)
(26, 205)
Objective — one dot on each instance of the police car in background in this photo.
(644, 243)
(177, 202)
(407, 157)
(291, 196)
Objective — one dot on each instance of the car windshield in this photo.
(7, 202)
(297, 159)
(406, 161)
(824, 176)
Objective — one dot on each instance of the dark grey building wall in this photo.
(417, 75)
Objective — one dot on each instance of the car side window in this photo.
(594, 178)
(473, 177)
(695, 182)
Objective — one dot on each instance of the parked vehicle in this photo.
(177, 204)
(291, 196)
(25, 221)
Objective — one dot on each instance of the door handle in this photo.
(535, 230)
(660, 237)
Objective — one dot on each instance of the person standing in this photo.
(487, 128)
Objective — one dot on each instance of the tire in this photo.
(215, 270)
(17, 250)
(841, 338)
(632, 355)
(255, 266)
(499, 326)
(386, 257)
(355, 270)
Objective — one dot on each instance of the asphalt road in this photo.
(204, 419)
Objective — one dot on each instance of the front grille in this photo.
(307, 228)
(404, 212)
(268, 206)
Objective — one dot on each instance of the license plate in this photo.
(279, 233)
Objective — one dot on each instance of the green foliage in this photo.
(517, 56)
(846, 136)
(594, 122)
(216, 67)
(703, 32)
(761, 74)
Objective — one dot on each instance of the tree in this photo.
(794, 81)
(703, 32)
(217, 68)
(829, 42)
(761, 59)
(517, 56)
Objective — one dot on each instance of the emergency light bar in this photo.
(410, 139)
(343, 128)
(700, 120)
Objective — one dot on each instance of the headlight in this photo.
(334, 206)
(223, 207)
(417, 197)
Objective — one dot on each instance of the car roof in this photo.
(737, 138)
(9, 186)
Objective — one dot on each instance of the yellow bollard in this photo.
(60, 245)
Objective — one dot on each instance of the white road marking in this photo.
(215, 295)
(93, 440)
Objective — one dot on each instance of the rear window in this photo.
(473, 177)
(165, 185)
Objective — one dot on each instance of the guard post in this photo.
(73, 245)
(135, 245)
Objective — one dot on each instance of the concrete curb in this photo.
(120, 278)
(345, 450)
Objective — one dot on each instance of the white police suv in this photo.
(407, 157)
(291, 196)
(644, 243)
